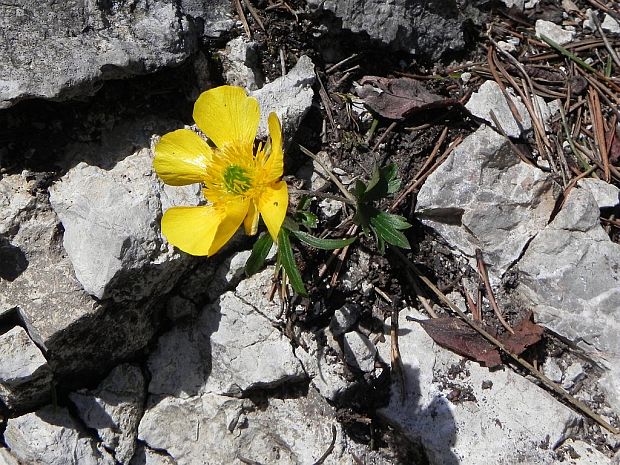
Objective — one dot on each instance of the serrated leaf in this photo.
(257, 258)
(385, 229)
(382, 183)
(324, 244)
(287, 260)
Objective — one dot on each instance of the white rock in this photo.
(554, 32)
(344, 318)
(610, 24)
(507, 46)
(359, 351)
(573, 373)
(606, 195)
(214, 430)
(553, 371)
(213, 355)
(570, 276)
(117, 236)
(490, 98)
(511, 419)
(484, 197)
(228, 274)
(241, 64)
(289, 96)
(25, 376)
(50, 436)
(326, 371)
(581, 453)
(114, 409)
(518, 4)
(6, 458)
(330, 207)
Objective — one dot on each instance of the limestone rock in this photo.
(213, 430)
(570, 275)
(115, 242)
(344, 318)
(147, 456)
(241, 64)
(6, 458)
(51, 436)
(484, 197)
(489, 97)
(217, 355)
(605, 195)
(289, 96)
(61, 53)
(554, 32)
(518, 415)
(359, 352)
(417, 27)
(114, 409)
(25, 376)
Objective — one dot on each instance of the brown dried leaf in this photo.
(526, 334)
(399, 97)
(614, 148)
(457, 336)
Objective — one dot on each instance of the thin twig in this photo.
(395, 358)
(576, 403)
(381, 138)
(329, 449)
(320, 195)
(254, 14)
(482, 269)
(333, 68)
(331, 175)
(244, 21)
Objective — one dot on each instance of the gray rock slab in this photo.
(241, 64)
(76, 331)
(215, 17)
(610, 24)
(25, 376)
(359, 351)
(60, 52)
(570, 276)
(111, 227)
(325, 369)
(489, 97)
(483, 196)
(232, 347)
(214, 430)
(344, 318)
(510, 419)
(6, 458)
(289, 96)
(605, 195)
(424, 28)
(147, 456)
(114, 409)
(51, 436)
(554, 32)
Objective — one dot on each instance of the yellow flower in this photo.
(241, 179)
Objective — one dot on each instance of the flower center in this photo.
(236, 179)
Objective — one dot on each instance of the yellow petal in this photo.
(181, 157)
(226, 114)
(234, 213)
(192, 229)
(251, 220)
(275, 163)
(272, 205)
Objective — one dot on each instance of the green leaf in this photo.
(285, 255)
(257, 258)
(387, 227)
(359, 190)
(308, 219)
(324, 244)
(383, 182)
(290, 224)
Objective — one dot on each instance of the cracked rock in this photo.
(570, 276)
(51, 436)
(518, 414)
(114, 409)
(416, 27)
(115, 241)
(25, 376)
(63, 53)
(489, 97)
(289, 96)
(241, 64)
(147, 456)
(232, 347)
(213, 429)
(483, 196)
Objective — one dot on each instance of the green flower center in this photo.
(236, 180)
